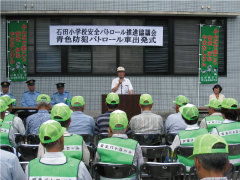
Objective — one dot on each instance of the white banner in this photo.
(106, 35)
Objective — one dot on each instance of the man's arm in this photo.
(23, 102)
(130, 87)
(11, 136)
(215, 131)
(18, 125)
(86, 154)
(131, 91)
(161, 125)
(53, 102)
(203, 123)
(40, 153)
(116, 84)
(17, 173)
(83, 173)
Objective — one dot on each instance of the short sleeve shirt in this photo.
(124, 88)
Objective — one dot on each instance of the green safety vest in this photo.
(213, 121)
(66, 171)
(187, 138)
(117, 150)
(9, 119)
(73, 146)
(230, 132)
(4, 134)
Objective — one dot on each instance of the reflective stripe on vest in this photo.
(4, 134)
(9, 119)
(187, 138)
(117, 150)
(66, 171)
(73, 146)
(213, 121)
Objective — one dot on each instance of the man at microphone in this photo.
(121, 85)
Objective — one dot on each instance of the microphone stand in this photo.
(121, 85)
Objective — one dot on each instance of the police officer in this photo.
(61, 96)
(5, 88)
(29, 97)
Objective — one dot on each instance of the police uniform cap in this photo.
(30, 82)
(60, 85)
(5, 84)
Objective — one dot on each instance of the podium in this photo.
(128, 103)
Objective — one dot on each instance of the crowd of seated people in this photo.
(63, 152)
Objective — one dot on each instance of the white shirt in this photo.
(17, 124)
(203, 123)
(52, 158)
(124, 88)
(226, 121)
(212, 96)
(85, 151)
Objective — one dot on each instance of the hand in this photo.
(110, 133)
(120, 81)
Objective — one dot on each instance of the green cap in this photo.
(51, 129)
(189, 112)
(112, 98)
(43, 97)
(203, 145)
(229, 102)
(215, 103)
(77, 101)
(145, 99)
(3, 106)
(118, 117)
(62, 111)
(181, 100)
(7, 99)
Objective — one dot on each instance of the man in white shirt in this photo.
(121, 85)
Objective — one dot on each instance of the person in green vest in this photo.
(215, 118)
(7, 131)
(12, 119)
(229, 129)
(186, 137)
(118, 149)
(210, 154)
(74, 145)
(54, 164)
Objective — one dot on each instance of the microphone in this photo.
(120, 77)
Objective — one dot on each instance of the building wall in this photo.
(164, 89)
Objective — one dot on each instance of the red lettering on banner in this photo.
(215, 36)
(215, 41)
(12, 61)
(11, 39)
(204, 48)
(209, 43)
(215, 31)
(204, 58)
(203, 53)
(210, 38)
(215, 47)
(209, 53)
(24, 37)
(18, 55)
(204, 64)
(209, 58)
(17, 49)
(204, 43)
(24, 43)
(204, 37)
(12, 44)
(24, 48)
(24, 26)
(18, 39)
(23, 59)
(24, 32)
(12, 33)
(215, 51)
(18, 33)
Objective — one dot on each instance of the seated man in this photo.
(102, 121)
(229, 129)
(215, 118)
(61, 96)
(34, 121)
(11, 119)
(81, 123)
(7, 131)
(54, 164)
(186, 137)
(146, 122)
(5, 88)
(9, 166)
(210, 157)
(117, 128)
(175, 123)
(74, 146)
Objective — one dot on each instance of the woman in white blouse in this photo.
(216, 95)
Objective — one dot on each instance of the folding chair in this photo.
(101, 136)
(87, 138)
(183, 152)
(19, 139)
(229, 173)
(7, 148)
(108, 170)
(234, 149)
(162, 170)
(33, 139)
(169, 139)
(156, 152)
(147, 139)
(28, 151)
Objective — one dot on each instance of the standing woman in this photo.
(216, 95)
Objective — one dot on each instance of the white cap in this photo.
(120, 68)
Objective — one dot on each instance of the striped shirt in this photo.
(102, 124)
(35, 121)
(147, 122)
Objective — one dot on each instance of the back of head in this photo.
(3, 108)
(77, 103)
(189, 113)
(146, 101)
(118, 122)
(211, 151)
(61, 113)
(215, 104)
(112, 101)
(43, 101)
(230, 108)
(50, 133)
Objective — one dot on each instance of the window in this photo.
(177, 56)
